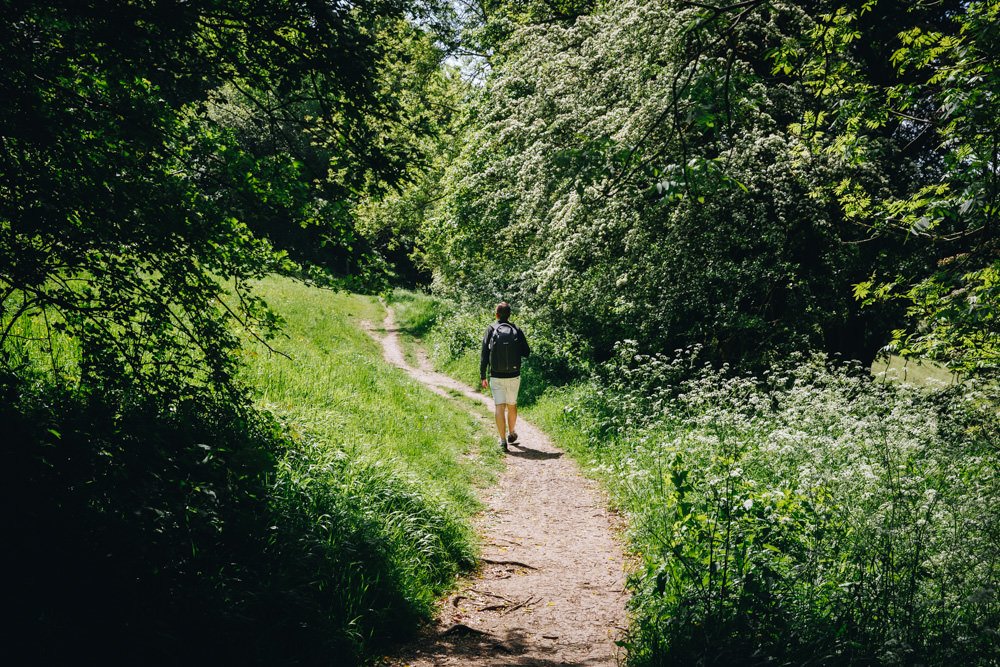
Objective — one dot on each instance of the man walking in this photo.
(504, 345)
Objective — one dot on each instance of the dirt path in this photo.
(550, 589)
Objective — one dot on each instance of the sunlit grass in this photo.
(921, 373)
(34, 340)
(335, 387)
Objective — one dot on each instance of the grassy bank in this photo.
(389, 468)
(312, 524)
(336, 388)
(814, 514)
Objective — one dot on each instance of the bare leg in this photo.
(511, 416)
(501, 419)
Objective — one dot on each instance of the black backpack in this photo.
(505, 349)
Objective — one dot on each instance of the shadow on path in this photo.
(516, 647)
(533, 454)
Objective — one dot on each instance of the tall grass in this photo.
(812, 515)
(199, 528)
(336, 387)
(378, 492)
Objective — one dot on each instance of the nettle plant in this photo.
(808, 512)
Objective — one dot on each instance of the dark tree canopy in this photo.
(125, 195)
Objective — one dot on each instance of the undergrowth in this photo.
(809, 515)
(198, 527)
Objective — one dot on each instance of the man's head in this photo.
(503, 311)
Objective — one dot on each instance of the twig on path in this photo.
(492, 595)
(463, 629)
(515, 563)
(520, 604)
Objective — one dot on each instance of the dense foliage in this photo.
(810, 514)
(130, 184)
(155, 159)
(921, 98)
(742, 177)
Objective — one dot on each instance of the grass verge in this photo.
(395, 466)
(335, 382)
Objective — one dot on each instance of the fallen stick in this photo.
(515, 563)
(463, 629)
(520, 604)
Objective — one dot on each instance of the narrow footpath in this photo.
(550, 590)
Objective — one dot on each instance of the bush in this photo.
(811, 514)
(416, 312)
(138, 520)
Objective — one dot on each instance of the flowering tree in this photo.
(631, 174)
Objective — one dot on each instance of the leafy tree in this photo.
(126, 198)
(347, 157)
(920, 97)
(631, 174)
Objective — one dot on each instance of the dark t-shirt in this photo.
(484, 357)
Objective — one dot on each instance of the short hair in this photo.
(503, 311)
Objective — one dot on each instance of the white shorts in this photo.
(505, 390)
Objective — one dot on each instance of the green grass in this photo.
(336, 388)
(451, 340)
(34, 342)
(382, 487)
(921, 373)
(416, 312)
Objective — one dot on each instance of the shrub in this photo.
(811, 514)
(138, 519)
(416, 312)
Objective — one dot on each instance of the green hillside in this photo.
(327, 529)
(334, 387)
